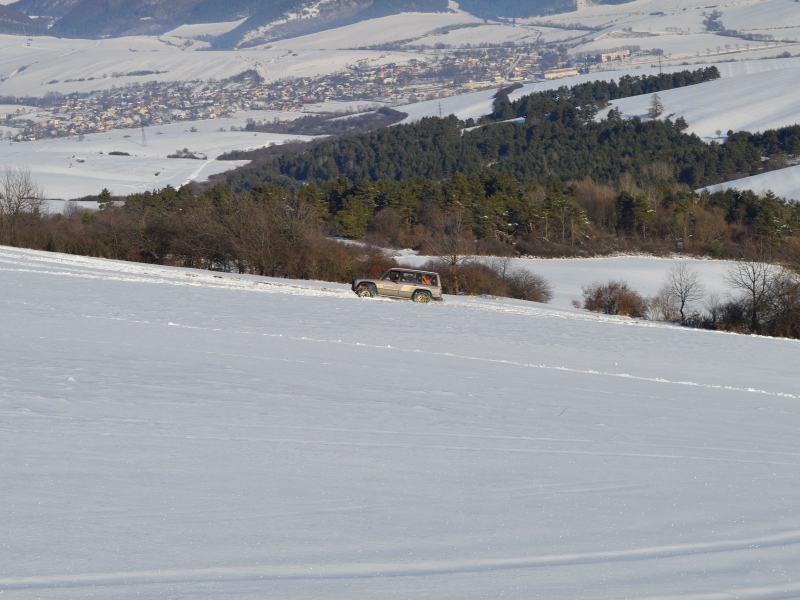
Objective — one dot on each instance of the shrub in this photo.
(474, 279)
(525, 285)
(614, 298)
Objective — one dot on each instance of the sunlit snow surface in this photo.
(172, 433)
(72, 168)
(784, 183)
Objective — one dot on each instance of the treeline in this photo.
(516, 8)
(595, 94)
(330, 124)
(654, 213)
(764, 300)
(266, 231)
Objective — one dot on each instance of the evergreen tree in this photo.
(656, 107)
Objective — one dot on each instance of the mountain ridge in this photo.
(265, 20)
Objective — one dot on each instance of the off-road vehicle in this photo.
(419, 286)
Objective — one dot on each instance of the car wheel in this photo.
(366, 291)
(421, 297)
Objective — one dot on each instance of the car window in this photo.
(391, 276)
(409, 277)
(428, 279)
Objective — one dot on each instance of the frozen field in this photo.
(69, 168)
(171, 433)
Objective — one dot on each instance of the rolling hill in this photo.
(169, 432)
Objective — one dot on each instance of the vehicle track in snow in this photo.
(419, 569)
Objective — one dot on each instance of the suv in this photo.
(419, 286)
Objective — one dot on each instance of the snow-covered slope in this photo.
(69, 168)
(645, 274)
(678, 27)
(784, 183)
(757, 100)
(751, 95)
(172, 433)
(100, 64)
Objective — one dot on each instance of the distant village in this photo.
(158, 103)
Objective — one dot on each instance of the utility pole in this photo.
(440, 110)
(144, 137)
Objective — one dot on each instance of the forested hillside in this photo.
(13, 22)
(560, 182)
(523, 8)
(266, 19)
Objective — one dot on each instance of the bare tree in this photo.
(20, 194)
(682, 287)
(451, 241)
(661, 307)
(713, 306)
(755, 279)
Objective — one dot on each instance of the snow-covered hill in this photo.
(751, 96)
(784, 183)
(72, 168)
(166, 432)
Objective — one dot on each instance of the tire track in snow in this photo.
(499, 361)
(179, 277)
(410, 569)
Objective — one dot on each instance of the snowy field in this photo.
(477, 104)
(69, 168)
(47, 64)
(657, 16)
(645, 274)
(416, 28)
(751, 95)
(173, 433)
(740, 101)
(784, 183)
(677, 27)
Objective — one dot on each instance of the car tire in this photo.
(366, 291)
(421, 296)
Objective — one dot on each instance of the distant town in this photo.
(433, 75)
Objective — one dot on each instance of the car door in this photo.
(408, 283)
(389, 284)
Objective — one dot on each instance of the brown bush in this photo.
(474, 279)
(614, 298)
(525, 285)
